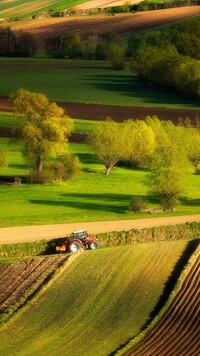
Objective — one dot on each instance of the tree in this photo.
(193, 142)
(168, 165)
(52, 46)
(70, 45)
(26, 45)
(46, 129)
(161, 137)
(111, 143)
(142, 141)
(66, 167)
(115, 55)
(7, 42)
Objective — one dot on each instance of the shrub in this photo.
(44, 177)
(137, 204)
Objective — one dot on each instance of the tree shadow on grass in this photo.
(88, 158)
(169, 286)
(190, 202)
(114, 203)
(131, 86)
(95, 202)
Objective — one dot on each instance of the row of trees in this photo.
(169, 59)
(103, 47)
(148, 5)
(22, 45)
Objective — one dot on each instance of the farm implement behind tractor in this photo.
(78, 240)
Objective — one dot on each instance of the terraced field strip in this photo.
(177, 333)
(14, 8)
(102, 3)
(19, 280)
(100, 300)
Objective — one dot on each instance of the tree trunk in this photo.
(40, 165)
(108, 169)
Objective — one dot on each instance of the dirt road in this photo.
(34, 233)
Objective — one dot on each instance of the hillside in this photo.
(97, 302)
(122, 24)
(177, 332)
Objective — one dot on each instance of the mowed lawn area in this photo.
(90, 196)
(85, 82)
(98, 301)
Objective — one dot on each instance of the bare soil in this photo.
(20, 280)
(177, 332)
(122, 24)
(117, 113)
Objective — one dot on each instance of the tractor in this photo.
(78, 240)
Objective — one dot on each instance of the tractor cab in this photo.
(79, 234)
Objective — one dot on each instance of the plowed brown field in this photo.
(19, 280)
(122, 24)
(177, 332)
(118, 113)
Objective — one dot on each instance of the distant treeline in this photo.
(147, 5)
(168, 58)
(22, 45)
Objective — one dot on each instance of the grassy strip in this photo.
(188, 231)
(90, 82)
(10, 120)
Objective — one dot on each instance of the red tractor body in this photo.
(78, 240)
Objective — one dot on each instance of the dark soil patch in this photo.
(117, 113)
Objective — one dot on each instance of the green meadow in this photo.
(85, 82)
(90, 308)
(90, 196)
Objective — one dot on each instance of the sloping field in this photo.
(15, 8)
(102, 3)
(122, 24)
(19, 280)
(99, 301)
(177, 332)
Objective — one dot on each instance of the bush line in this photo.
(188, 231)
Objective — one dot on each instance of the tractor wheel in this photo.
(93, 245)
(75, 246)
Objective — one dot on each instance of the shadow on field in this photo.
(98, 202)
(190, 202)
(169, 286)
(131, 86)
(115, 203)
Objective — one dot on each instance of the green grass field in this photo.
(84, 81)
(91, 196)
(92, 308)
(23, 8)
